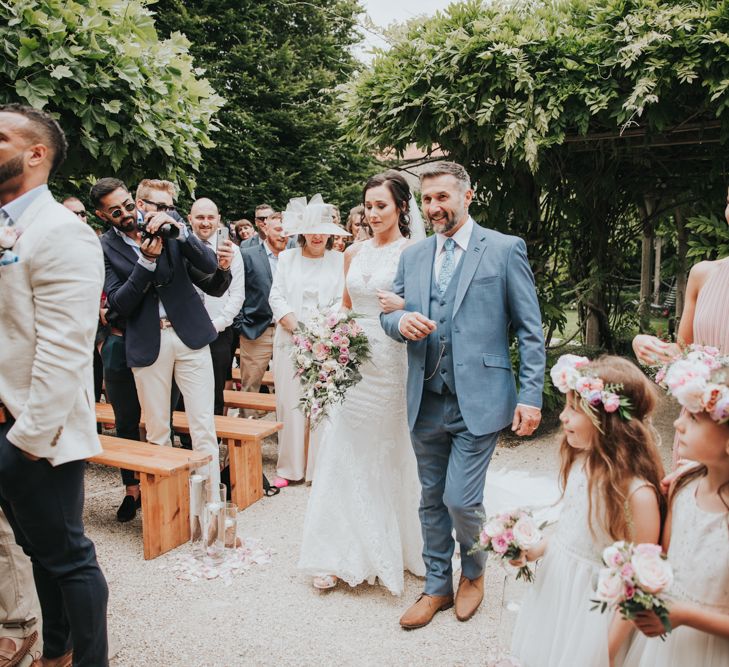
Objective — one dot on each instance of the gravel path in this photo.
(270, 614)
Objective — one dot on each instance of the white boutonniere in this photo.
(8, 238)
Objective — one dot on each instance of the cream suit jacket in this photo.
(49, 309)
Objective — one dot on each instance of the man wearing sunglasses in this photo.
(168, 329)
(75, 205)
(263, 212)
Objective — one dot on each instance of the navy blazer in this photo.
(255, 315)
(134, 292)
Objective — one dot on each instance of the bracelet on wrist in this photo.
(149, 258)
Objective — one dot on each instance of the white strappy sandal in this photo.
(324, 582)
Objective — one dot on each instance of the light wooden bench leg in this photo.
(165, 512)
(246, 472)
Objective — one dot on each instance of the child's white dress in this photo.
(555, 627)
(699, 554)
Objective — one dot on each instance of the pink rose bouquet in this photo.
(508, 535)
(328, 352)
(632, 579)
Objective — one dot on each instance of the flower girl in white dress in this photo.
(610, 473)
(362, 518)
(696, 534)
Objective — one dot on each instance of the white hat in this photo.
(312, 218)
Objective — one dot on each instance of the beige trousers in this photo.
(255, 356)
(19, 609)
(193, 372)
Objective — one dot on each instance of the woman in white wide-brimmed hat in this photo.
(308, 279)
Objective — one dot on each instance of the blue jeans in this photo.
(452, 465)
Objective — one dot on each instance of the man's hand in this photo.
(155, 220)
(102, 316)
(225, 255)
(415, 326)
(526, 419)
(152, 247)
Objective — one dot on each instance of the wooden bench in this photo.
(163, 474)
(267, 377)
(251, 400)
(244, 437)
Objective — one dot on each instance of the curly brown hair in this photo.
(623, 451)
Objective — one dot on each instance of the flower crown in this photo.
(570, 374)
(698, 380)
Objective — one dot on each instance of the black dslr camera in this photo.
(168, 231)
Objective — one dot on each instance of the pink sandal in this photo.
(280, 482)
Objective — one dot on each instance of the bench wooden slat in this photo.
(232, 428)
(267, 377)
(251, 400)
(143, 457)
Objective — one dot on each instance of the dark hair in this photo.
(103, 187)
(43, 128)
(301, 240)
(400, 191)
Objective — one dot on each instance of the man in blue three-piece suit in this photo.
(464, 288)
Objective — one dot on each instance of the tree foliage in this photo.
(277, 62)
(131, 104)
(568, 113)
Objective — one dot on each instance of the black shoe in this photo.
(128, 509)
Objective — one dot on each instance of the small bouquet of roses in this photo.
(632, 579)
(328, 352)
(508, 535)
(8, 237)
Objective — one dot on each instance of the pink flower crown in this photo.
(698, 380)
(570, 374)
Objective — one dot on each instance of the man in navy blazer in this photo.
(168, 329)
(254, 323)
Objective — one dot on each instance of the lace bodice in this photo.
(699, 552)
(372, 268)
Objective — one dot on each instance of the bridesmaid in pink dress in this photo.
(705, 318)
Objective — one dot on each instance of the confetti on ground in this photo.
(188, 567)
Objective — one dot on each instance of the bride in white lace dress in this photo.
(362, 519)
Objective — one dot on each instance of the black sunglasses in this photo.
(127, 206)
(261, 218)
(80, 214)
(160, 207)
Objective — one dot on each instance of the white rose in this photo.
(303, 361)
(330, 365)
(494, 528)
(610, 587)
(526, 533)
(652, 573)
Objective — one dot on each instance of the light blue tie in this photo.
(448, 266)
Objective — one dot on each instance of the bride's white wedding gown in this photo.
(362, 518)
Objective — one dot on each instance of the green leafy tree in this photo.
(131, 104)
(277, 62)
(569, 114)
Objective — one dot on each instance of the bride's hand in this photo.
(519, 562)
(389, 301)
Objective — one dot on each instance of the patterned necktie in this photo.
(448, 266)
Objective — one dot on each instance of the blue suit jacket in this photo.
(255, 315)
(495, 292)
(134, 292)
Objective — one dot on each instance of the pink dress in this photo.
(711, 317)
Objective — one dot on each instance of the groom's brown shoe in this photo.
(422, 612)
(468, 597)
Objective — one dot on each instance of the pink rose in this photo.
(653, 573)
(483, 539)
(332, 320)
(500, 544)
(610, 402)
(610, 587)
(612, 557)
(526, 533)
(336, 339)
(627, 572)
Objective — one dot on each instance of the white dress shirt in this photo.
(461, 237)
(272, 259)
(223, 309)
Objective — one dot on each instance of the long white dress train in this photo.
(362, 519)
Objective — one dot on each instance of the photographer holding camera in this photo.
(167, 327)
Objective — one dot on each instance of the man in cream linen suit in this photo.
(50, 283)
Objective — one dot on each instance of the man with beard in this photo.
(51, 280)
(464, 289)
(167, 328)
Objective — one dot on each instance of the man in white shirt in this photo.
(205, 221)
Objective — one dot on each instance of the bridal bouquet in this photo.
(328, 352)
(632, 579)
(508, 535)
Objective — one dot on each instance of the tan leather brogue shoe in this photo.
(468, 597)
(422, 612)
